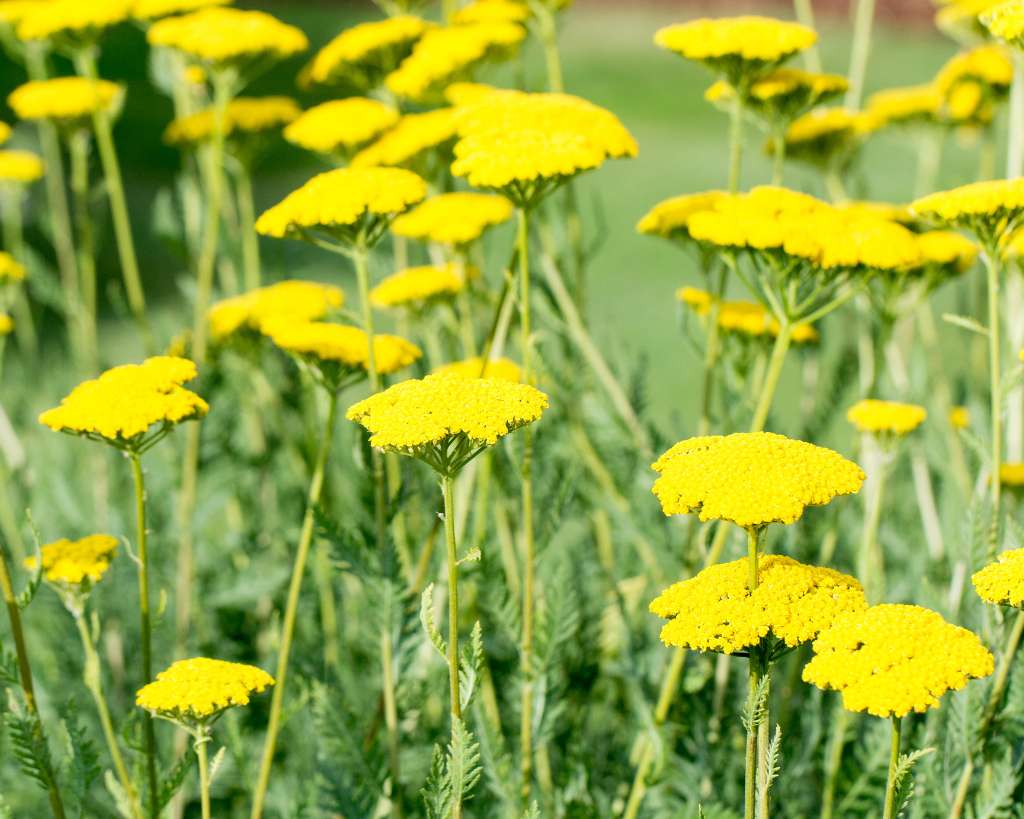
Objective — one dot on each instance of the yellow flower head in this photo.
(12, 12)
(985, 71)
(446, 420)
(1006, 21)
(20, 167)
(793, 603)
(453, 218)
(417, 285)
(245, 115)
(296, 299)
(782, 94)
(960, 19)
(893, 659)
(346, 203)
(72, 19)
(340, 126)
(1011, 475)
(886, 417)
(199, 689)
(959, 417)
(990, 209)
(502, 369)
(154, 9)
(467, 93)
(910, 104)
(76, 562)
(444, 54)
(947, 249)
(364, 54)
(6, 324)
(740, 48)
(1002, 583)
(827, 134)
(492, 11)
(670, 219)
(124, 403)
(412, 136)
(64, 99)
(751, 478)
(225, 35)
(698, 300)
(11, 270)
(5, 132)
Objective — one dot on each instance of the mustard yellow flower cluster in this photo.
(947, 249)
(411, 136)
(366, 52)
(416, 285)
(751, 478)
(492, 11)
(11, 270)
(670, 218)
(6, 325)
(746, 318)
(154, 9)
(502, 369)
(987, 64)
(340, 202)
(961, 18)
(825, 134)
(959, 417)
(75, 562)
(20, 167)
(453, 218)
(13, 12)
(1002, 582)
(340, 126)
(1006, 21)
(793, 602)
(225, 35)
(245, 115)
(442, 54)
(342, 344)
(65, 99)
(893, 659)
(990, 209)
(783, 94)
(906, 105)
(1011, 474)
(295, 299)
(886, 417)
(199, 689)
(72, 18)
(124, 402)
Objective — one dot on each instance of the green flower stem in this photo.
(85, 65)
(889, 811)
(252, 274)
(833, 759)
(988, 715)
(805, 15)
(25, 671)
(547, 29)
(771, 379)
(991, 255)
(145, 623)
(291, 606)
(464, 309)
(863, 23)
(870, 566)
(712, 347)
(86, 306)
(92, 677)
(736, 140)
(453, 603)
(204, 773)
(387, 655)
(754, 750)
(778, 153)
(14, 243)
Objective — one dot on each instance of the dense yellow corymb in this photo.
(342, 344)
(21, 167)
(989, 201)
(453, 218)
(246, 115)
(11, 270)
(749, 38)
(412, 136)
(294, 299)
(200, 688)
(60, 18)
(340, 125)
(1002, 582)
(503, 369)
(74, 562)
(63, 98)
(223, 35)
(417, 285)
(892, 417)
(358, 52)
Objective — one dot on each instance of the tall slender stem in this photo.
(870, 567)
(204, 773)
(145, 624)
(805, 15)
(85, 311)
(736, 139)
(833, 759)
(889, 811)
(778, 154)
(291, 607)
(757, 671)
(863, 23)
(548, 29)
(771, 379)
(252, 274)
(711, 350)
(387, 654)
(453, 617)
(996, 386)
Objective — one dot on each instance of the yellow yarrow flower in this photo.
(698, 300)
(6, 324)
(1002, 582)
(417, 285)
(1006, 21)
(154, 9)
(123, 404)
(751, 478)
(746, 318)
(5, 132)
(64, 99)
(340, 126)
(492, 11)
(11, 270)
(245, 115)
(906, 105)
(959, 417)
(220, 36)
(502, 369)
(827, 135)
(79, 562)
(783, 94)
(453, 218)
(893, 659)
(13, 12)
(947, 249)
(294, 299)
(411, 136)
(793, 603)
(72, 19)
(971, 80)
(20, 167)
(960, 19)
(467, 93)
(364, 54)
(670, 218)
(1011, 475)
(200, 689)
(446, 420)
(991, 209)
(886, 417)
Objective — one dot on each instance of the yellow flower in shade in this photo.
(5, 132)
(340, 126)
(745, 318)
(364, 54)
(75, 562)
(340, 353)
(502, 369)
(1002, 583)
(123, 405)
(892, 659)
(72, 19)
(11, 270)
(412, 136)
(295, 299)
(783, 94)
(446, 420)
(959, 417)
(793, 603)
(990, 209)
(1011, 475)
(200, 689)
(21, 167)
(226, 35)
(670, 219)
(444, 54)
(453, 218)
(1005, 21)
(946, 249)
(492, 11)
(353, 204)
(827, 134)
(751, 478)
(740, 48)
(886, 417)
(417, 285)
(972, 80)
(6, 325)
(906, 105)
(154, 9)
(698, 300)
(245, 115)
(64, 99)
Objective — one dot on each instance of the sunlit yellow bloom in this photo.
(65, 99)
(1002, 582)
(296, 299)
(959, 417)
(947, 249)
(198, 689)
(1005, 21)
(11, 270)
(988, 64)
(492, 11)
(152, 9)
(125, 402)
(6, 324)
(880, 210)
(915, 103)
(893, 659)
(245, 115)
(467, 93)
(751, 478)
(670, 219)
(414, 134)
(444, 54)
(698, 300)
(743, 317)
(960, 18)
(76, 562)
(453, 218)
(782, 94)
(5, 132)
(342, 344)
(72, 18)
(827, 133)
(416, 285)
(1011, 474)
(20, 166)
(226, 35)
(991, 209)
(365, 53)
(340, 126)
(502, 369)
(13, 12)
(891, 417)
(793, 603)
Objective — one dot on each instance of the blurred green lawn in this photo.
(609, 58)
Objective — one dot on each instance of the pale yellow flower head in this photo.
(64, 99)
(74, 20)
(670, 219)
(20, 167)
(988, 65)
(792, 604)
(223, 36)
(828, 135)
(200, 689)
(6, 324)
(1011, 475)
(340, 126)
(893, 659)
(782, 94)
(294, 299)
(417, 286)
(453, 218)
(886, 417)
(947, 249)
(1002, 582)
(698, 300)
(154, 9)
(502, 369)
(1006, 21)
(912, 104)
(11, 270)
(245, 116)
(75, 563)
(13, 12)
(991, 209)
(751, 478)
(412, 136)
(960, 19)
